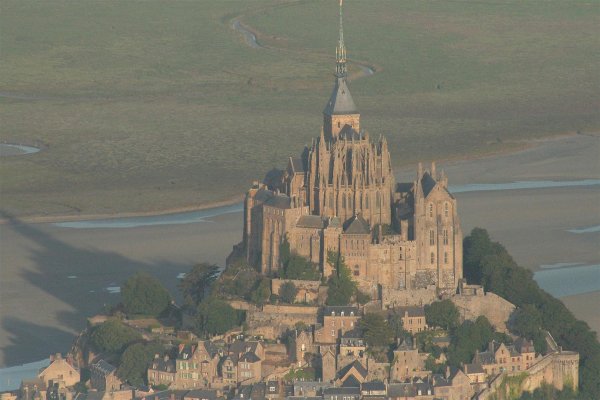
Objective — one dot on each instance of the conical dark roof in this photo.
(340, 101)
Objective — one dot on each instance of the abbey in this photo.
(341, 196)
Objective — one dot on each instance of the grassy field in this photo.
(153, 105)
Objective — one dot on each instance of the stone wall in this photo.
(412, 297)
(496, 309)
(272, 320)
(308, 291)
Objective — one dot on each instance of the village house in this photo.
(408, 362)
(413, 318)
(60, 371)
(337, 320)
(162, 371)
(500, 357)
(104, 377)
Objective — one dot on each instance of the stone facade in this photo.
(341, 196)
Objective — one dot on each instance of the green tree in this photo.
(294, 266)
(362, 297)
(143, 294)
(395, 323)
(135, 361)
(376, 330)
(467, 338)
(341, 286)
(288, 292)
(112, 336)
(261, 293)
(443, 314)
(195, 284)
(215, 316)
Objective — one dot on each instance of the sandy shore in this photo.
(51, 278)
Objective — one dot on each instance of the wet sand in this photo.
(51, 278)
(585, 307)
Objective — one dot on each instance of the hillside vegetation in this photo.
(154, 105)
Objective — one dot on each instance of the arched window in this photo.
(339, 124)
(430, 210)
(367, 202)
(432, 257)
(350, 205)
(343, 202)
(431, 238)
(330, 201)
(445, 236)
(446, 209)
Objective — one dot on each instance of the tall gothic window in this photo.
(432, 257)
(446, 209)
(445, 236)
(344, 201)
(330, 201)
(367, 202)
(431, 238)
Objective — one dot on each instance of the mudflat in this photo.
(52, 278)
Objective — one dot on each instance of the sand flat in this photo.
(586, 307)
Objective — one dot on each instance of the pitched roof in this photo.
(297, 164)
(356, 226)
(201, 394)
(279, 201)
(357, 366)
(249, 357)
(341, 101)
(474, 369)
(427, 183)
(413, 311)
(310, 221)
(104, 368)
(338, 311)
(351, 382)
(341, 390)
(373, 386)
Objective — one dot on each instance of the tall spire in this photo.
(340, 51)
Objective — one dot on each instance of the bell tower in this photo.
(340, 109)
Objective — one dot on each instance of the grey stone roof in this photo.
(334, 222)
(350, 133)
(104, 367)
(357, 365)
(351, 382)
(353, 334)
(357, 226)
(164, 365)
(373, 386)
(279, 201)
(341, 391)
(310, 221)
(249, 357)
(297, 165)
(413, 311)
(473, 369)
(404, 187)
(338, 310)
(341, 101)
(427, 183)
(201, 394)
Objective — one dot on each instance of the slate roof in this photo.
(349, 133)
(297, 165)
(427, 183)
(201, 394)
(160, 364)
(404, 187)
(373, 386)
(413, 311)
(341, 101)
(104, 367)
(310, 221)
(338, 310)
(474, 369)
(334, 222)
(356, 365)
(341, 391)
(351, 382)
(249, 357)
(353, 334)
(279, 201)
(357, 226)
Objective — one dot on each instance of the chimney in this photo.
(433, 173)
(419, 171)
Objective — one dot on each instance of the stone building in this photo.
(341, 196)
(103, 377)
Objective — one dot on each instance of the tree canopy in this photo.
(341, 286)
(196, 284)
(288, 292)
(443, 314)
(376, 330)
(143, 294)
(294, 266)
(135, 361)
(262, 291)
(215, 316)
(112, 336)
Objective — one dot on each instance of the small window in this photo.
(430, 210)
(446, 209)
(431, 238)
(339, 124)
(432, 257)
(445, 236)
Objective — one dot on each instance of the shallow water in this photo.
(589, 229)
(11, 377)
(9, 150)
(569, 281)
(483, 187)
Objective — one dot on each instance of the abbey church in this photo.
(340, 196)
